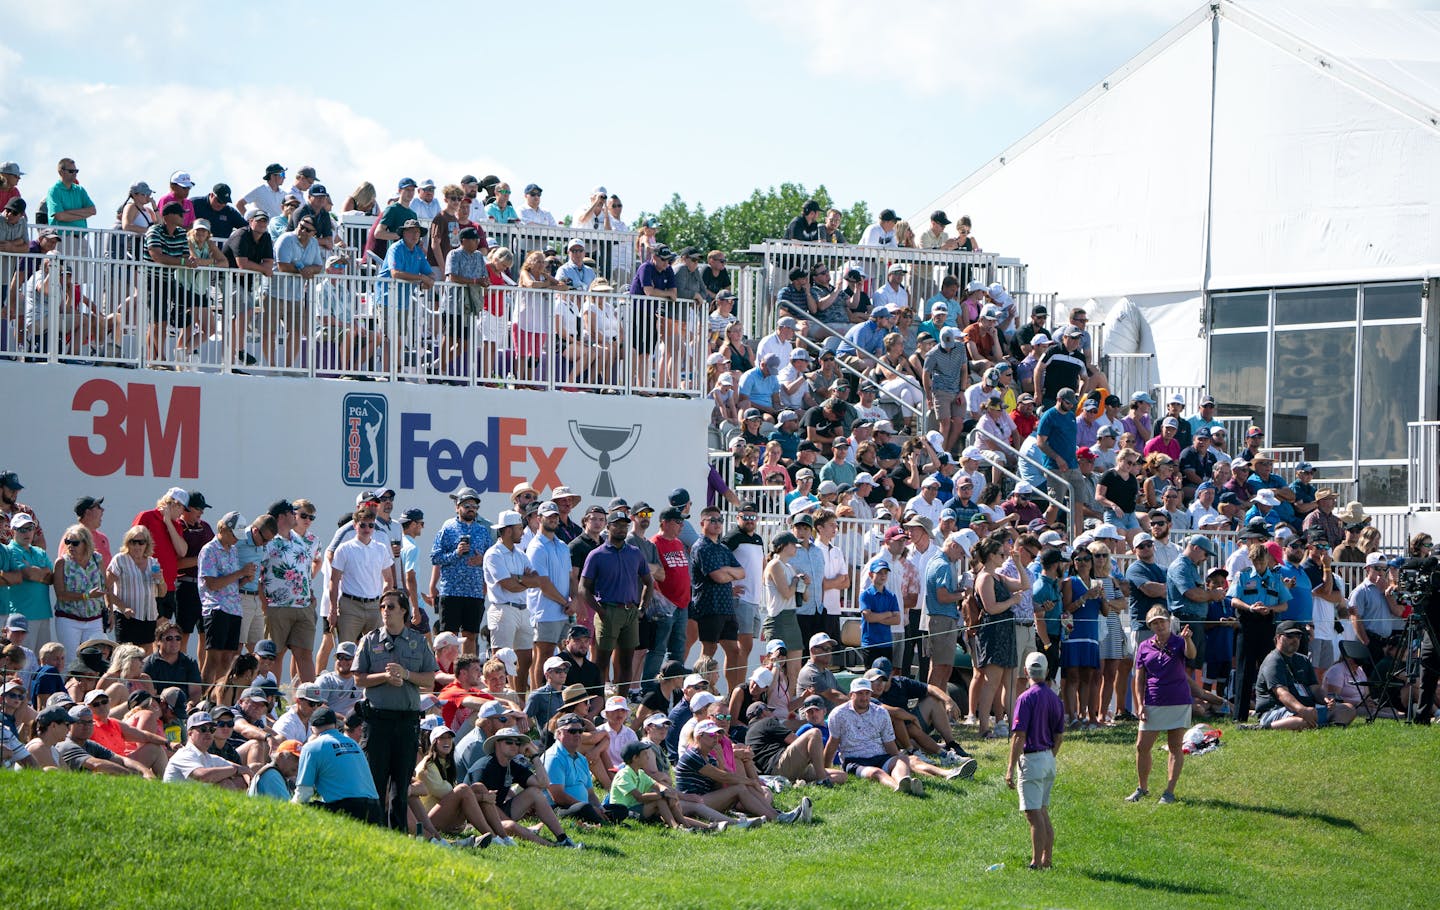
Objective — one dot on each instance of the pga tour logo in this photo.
(364, 461)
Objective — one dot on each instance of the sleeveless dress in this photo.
(1082, 646)
(1112, 627)
(996, 636)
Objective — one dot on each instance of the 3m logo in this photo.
(364, 462)
(131, 428)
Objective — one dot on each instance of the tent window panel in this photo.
(1311, 305)
(1314, 391)
(1237, 374)
(1236, 311)
(1392, 301)
(1389, 387)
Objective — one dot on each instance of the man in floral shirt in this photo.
(285, 593)
(459, 551)
(220, 577)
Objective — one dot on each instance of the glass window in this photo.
(1392, 301)
(1384, 485)
(1234, 311)
(1237, 376)
(1314, 388)
(1310, 305)
(1389, 388)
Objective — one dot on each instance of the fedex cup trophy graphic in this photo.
(604, 445)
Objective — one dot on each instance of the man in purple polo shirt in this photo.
(1039, 724)
(616, 581)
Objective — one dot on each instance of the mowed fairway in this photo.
(1341, 818)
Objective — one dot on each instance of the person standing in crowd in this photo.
(551, 611)
(508, 577)
(615, 580)
(167, 529)
(459, 553)
(714, 570)
(79, 581)
(1162, 696)
(393, 664)
(196, 533)
(1035, 737)
(220, 572)
(361, 569)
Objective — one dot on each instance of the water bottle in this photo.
(995, 867)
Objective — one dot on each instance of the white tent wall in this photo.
(1315, 181)
(1171, 324)
(1112, 199)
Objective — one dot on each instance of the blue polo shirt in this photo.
(550, 558)
(864, 336)
(571, 771)
(248, 551)
(401, 258)
(873, 635)
(335, 766)
(1183, 575)
(1302, 596)
(759, 388)
(789, 443)
(1059, 431)
(1137, 574)
(940, 573)
(616, 572)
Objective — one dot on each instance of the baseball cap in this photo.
(702, 700)
(1036, 665)
(820, 640)
(861, 685)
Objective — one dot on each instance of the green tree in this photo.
(763, 216)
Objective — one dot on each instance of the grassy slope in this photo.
(1343, 817)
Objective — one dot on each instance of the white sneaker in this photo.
(971, 720)
(789, 818)
(807, 810)
(722, 825)
(755, 822)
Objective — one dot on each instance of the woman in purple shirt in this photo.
(1162, 692)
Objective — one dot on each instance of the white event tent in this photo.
(1263, 183)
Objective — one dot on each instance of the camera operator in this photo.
(1419, 576)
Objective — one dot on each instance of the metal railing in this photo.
(140, 314)
(1065, 505)
(1191, 393)
(1285, 459)
(1423, 445)
(887, 394)
(1130, 373)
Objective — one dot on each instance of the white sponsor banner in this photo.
(245, 441)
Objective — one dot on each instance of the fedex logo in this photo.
(494, 463)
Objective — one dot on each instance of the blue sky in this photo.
(888, 103)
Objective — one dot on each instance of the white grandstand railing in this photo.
(1423, 444)
(125, 313)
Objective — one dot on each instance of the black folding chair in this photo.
(1377, 691)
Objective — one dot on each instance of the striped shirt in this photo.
(133, 585)
(175, 244)
(688, 778)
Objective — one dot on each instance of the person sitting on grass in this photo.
(779, 752)
(1285, 692)
(933, 706)
(816, 676)
(277, 778)
(51, 726)
(699, 772)
(572, 786)
(451, 804)
(194, 761)
(864, 736)
(660, 768)
(78, 752)
(1035, 735)
(333, 768)
(644, 798)
(499, 772)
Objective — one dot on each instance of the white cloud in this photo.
(975, 50)
(122, 133)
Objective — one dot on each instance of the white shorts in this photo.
(1035, 780)
(509, 626)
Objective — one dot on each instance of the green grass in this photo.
(1342, 818)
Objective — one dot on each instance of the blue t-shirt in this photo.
(335, 766)
(1183, 575)
(1059, 432)
(1283, 512)
(571, 772)
(271, 783)
(874, 634)
(248, 551)
(1140, 605)
(29, 598)
(1302, 596)
(760, 388)
(940, 573)
(1045, 593)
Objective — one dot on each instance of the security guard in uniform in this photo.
(393, 664)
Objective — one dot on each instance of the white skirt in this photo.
(1166, 717)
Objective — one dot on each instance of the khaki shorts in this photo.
(1035, 780)
(252, 620)
(944, 632)
(617, 627)
(356, 618)
(510, 627)
(794, 762)
(291, 628)
(1024, 643)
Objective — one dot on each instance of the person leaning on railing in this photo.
(166, 245)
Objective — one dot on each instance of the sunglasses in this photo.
(307, 516)
(17, 695)
(207, 728)
(69, 170)
(711, 520)
(171, 638)
(390, 606)
(1139, 546)
(225, 723)
(366, 524)
(72, 541)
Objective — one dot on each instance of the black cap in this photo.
(324, 716)
(280, 507)
(1289, 627)
(810, 206)
(275, 168)
(15, 205)
(939, 217)
(888, 215)
(807, 446)
(469, 233)
(691, 251)
(221, 191)
(307, 171)
(197, 501)
(672, 514)
(664, 252)
(674, 669)
(411, 515)
(578, 631)
(86, 503)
